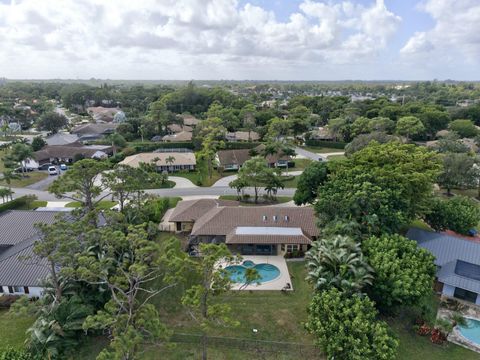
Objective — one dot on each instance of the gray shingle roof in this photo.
(18, 264)
(451, 253)
(16, 226)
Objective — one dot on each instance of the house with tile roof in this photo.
(164, 161)
(263, 230)
(457, 260)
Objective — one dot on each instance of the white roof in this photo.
(179, 158)
(267, 230)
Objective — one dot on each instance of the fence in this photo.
(306, 351)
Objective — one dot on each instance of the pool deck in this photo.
(276, 284)
(455, 336)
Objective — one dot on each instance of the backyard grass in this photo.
(291, 182)
(300, 164)
(12, 331)
(33, 205)
(336, 157)
(102, 205)
(29, 179)
(321, 150)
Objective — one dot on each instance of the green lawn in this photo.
(33, 205)
(102, 205)
(321, 150)
(291, 183)
(2, 154)
(30, 178)
(336, 157)
(201, 178)
(300, 164)
(12, 329)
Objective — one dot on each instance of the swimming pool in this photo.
(471, 331)
(267, 272)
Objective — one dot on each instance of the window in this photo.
(292, 248)
(466, 295)
(18, 289)
(1, 289)
(26, 290)
(10, 290)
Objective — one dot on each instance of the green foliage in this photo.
(81, 179)
(51, 122)
(382, 187)
(337, 262)
(459, 214)
(345, 327)
(404, 272)
(464, 128)
(409, 126)
(458, 172)
(330, 144)
(363, 140)
(309, 181)
(19, 202)
(16, 354)
(451, 144)
(38, 143)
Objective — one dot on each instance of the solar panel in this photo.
(466, 269)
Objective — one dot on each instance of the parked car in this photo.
(63, 167)
(52, 170)
(25, 169)
(45, 166)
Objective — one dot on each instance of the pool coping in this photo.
(276, 284)
(456, 337)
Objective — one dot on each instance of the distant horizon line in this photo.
(240, 80)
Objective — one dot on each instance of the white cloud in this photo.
(455, 33)
(83, 36)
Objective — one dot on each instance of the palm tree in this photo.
(170, 160)
(338, 262)
(5, 193)
(8, 176)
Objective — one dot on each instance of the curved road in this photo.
(194, 191)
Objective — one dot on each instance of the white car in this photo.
(52, 170)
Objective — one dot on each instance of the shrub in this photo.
(330, 144)
(15, 354)
(17, 203)
(7, 300)
(459, 214)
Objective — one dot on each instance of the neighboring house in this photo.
(176, 128)
(234, 159)
(188, 211)
(242, 136)
(322, 133)
(102, 114)
(94, 131)
(458, 263)
(21, 271)
(67, 153)
(180, 160)
(247, 230)
(61, 139)
(469, 143)
(190, 120)
(181, 136)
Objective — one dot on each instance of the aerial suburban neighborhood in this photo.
(200, 180)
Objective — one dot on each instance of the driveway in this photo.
(42, 184)
(310, 155)
(181, 182)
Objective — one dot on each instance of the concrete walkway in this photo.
(223, 182)
(181, 182)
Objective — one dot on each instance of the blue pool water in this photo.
(471, 331)
(267, 272)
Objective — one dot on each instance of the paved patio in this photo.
(279, 283)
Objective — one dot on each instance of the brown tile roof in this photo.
(271, 159)
(89, 129)
(222, 220)
(69, 151)
(190, 120)
(181, 136)
(244, 136)
(176, 128)
(192, 210)
(227, 157)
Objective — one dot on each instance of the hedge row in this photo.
(17, 203)
(328, 144)
(151, 146)
(241, 145)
